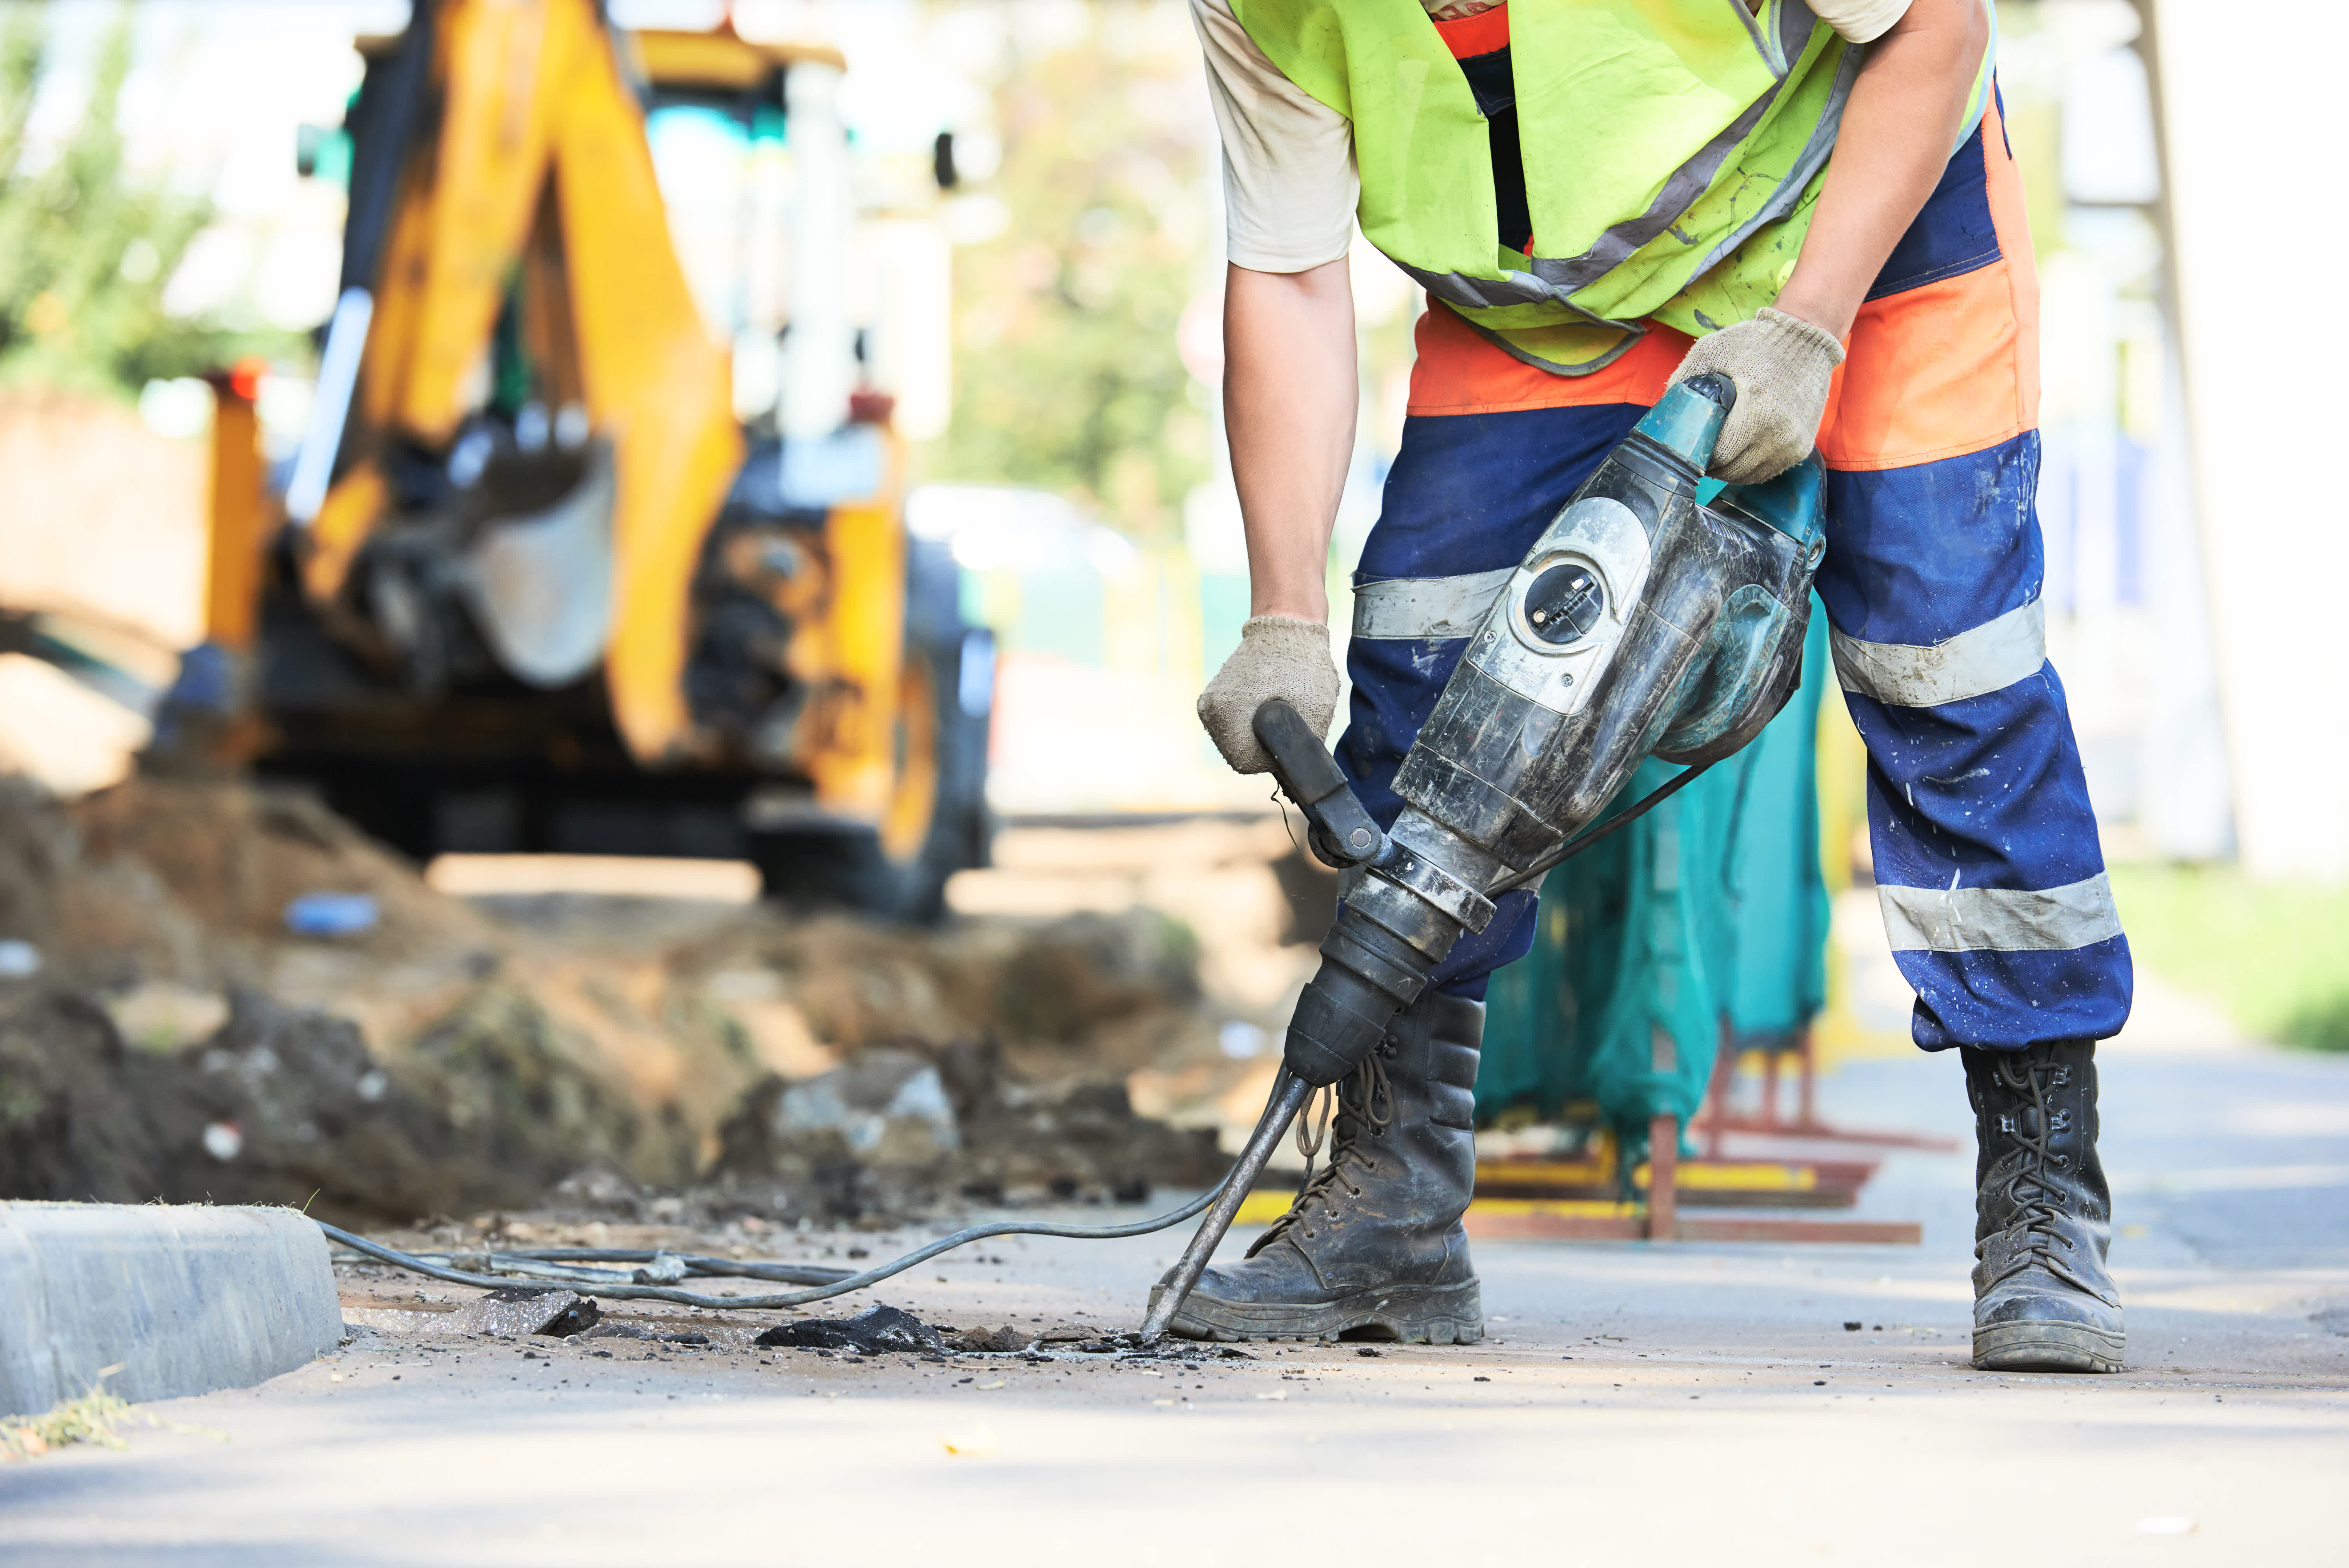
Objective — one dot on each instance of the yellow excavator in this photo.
(561, 563)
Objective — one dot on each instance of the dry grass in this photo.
(92, 1418)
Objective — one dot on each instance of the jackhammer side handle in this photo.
(1288, 1100)
(1344, 833)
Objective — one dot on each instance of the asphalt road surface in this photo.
(1634, 1403)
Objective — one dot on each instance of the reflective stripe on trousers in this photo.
(1988, 869)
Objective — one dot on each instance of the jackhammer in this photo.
(1641, 624)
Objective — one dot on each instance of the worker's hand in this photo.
(1781, 365)
(1277, 657)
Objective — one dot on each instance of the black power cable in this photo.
(1589, 836)
(603, 1283)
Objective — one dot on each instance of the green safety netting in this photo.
(1709, 909)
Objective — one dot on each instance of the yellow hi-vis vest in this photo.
(1674, 151)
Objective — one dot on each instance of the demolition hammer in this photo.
(1642, 622)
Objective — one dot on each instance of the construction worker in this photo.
(1601, 198)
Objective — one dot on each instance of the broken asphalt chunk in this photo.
(610, 1330)
(872, 1331)
(512, 1312)
(1129, 1347)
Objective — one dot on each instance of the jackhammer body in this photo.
(1641, 624)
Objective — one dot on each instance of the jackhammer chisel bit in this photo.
(1342, 834)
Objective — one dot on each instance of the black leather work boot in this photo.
(2043, 1299)
(1373, 1241)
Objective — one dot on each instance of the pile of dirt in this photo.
(69, 1123)
(282, 1106)
(192, 880)
(439, 1061)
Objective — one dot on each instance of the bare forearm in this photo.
(1894, 143)
(1289, 393)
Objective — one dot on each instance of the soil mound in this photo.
(70, 1125)
(282, 1106)
(435, 1061)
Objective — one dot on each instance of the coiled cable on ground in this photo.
(605, 1283)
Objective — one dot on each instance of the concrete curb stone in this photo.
(186, 1298)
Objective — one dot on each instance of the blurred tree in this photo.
(87, 245)
(1066, 374)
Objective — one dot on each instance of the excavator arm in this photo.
(536, 162)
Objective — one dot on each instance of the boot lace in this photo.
(1362, 1103)
(2034, 1197)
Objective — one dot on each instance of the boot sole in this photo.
(1407, 1315)
(2047, 1347)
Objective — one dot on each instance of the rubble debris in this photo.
(494, 1068)
(1019, 1145)
(597, 1191)
(876, 1329)
(1129, 1347)
(609, 1329)
(280, 1106)
(991, 1341)
(874, 1135)
(889, 1106)
(515, 1312)
(757, 1067)
(1082, 1142)
(317, 1120)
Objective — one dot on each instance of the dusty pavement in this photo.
(1665, 1404)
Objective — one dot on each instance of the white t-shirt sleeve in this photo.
(1860, 21)
(1289, 181)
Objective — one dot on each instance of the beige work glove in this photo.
(1277, 657)
(1781, 365)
